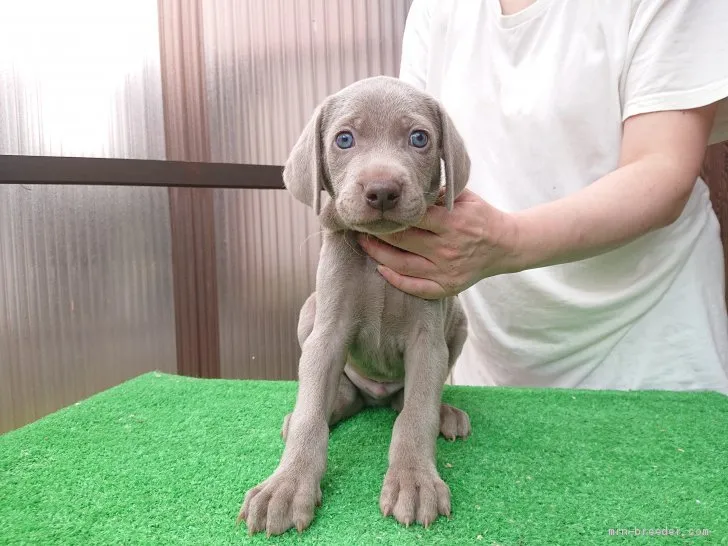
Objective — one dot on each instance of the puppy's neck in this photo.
(333, 228)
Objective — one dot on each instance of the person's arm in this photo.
(661, 156)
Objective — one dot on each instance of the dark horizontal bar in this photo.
(86, 171)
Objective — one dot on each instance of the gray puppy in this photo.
(377, 148)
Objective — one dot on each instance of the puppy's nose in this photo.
(382, 195)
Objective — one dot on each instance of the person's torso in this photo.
(537, 97)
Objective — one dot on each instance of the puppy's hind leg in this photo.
(349, 401)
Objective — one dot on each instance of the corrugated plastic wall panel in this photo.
(268, 64)
(85, 272)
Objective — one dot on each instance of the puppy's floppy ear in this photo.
(303, 173)
(455, 156)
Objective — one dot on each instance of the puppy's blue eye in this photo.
(418, 139)
(345, 140)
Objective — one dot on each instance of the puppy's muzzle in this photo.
(382, 195)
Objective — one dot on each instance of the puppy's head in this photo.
(376, 147)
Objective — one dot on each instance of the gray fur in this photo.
(356, 327)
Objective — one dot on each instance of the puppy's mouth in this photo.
(357, 215)
(381, 226)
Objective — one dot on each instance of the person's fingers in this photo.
(403, 262)
(422, 288)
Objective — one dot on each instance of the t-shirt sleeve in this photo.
(416, 44)
(677, 58)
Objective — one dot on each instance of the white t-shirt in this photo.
(540, 97)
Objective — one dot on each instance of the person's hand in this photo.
(448, 251)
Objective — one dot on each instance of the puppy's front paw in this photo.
(414, 493)
(283, 501)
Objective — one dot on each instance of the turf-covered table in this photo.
(166, 460)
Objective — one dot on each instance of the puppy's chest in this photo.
(385, 322)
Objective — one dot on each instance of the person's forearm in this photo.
(660, 161)
(629, 202)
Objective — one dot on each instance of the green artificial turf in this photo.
(166, 460)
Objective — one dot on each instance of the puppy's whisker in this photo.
(357, 250)
(308, 237)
